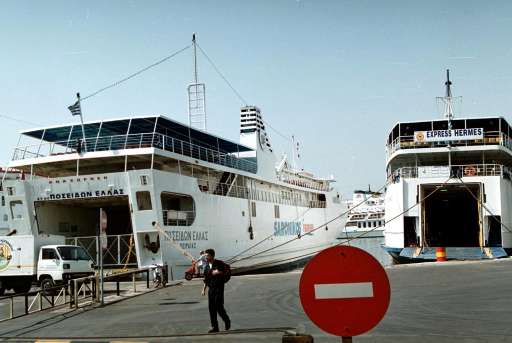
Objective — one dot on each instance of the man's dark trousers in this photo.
(216, 305)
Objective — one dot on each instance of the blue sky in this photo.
(336, 74)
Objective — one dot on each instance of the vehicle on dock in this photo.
(28, 259)
(160, 181)
(449, 186)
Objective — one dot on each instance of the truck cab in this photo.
(59, 263)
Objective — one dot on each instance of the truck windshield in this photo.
(73, 253)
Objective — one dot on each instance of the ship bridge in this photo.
(127, 143)
(471, 147)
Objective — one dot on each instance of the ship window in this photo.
(359, 225)
(178, 209)
(6, 217)
(143, 201)
(17, 209)
(364, 225)
(49, 254)
(90, 166)
(144, 180)
(11, 191)
(253, 209)
(135, 162)
(3, 200)
(276, 211)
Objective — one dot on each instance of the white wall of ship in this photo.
(403, 195)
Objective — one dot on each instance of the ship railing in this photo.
(307, 184)
(283, 197)
(135, 141)
(462, 170)
(490, 138)
(120, 250)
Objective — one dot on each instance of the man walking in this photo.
(214, 280)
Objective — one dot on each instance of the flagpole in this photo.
(82, 121)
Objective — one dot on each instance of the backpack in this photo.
(227, 272)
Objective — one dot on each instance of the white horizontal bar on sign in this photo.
(344, 290)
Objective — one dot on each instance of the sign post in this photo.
(345, 291)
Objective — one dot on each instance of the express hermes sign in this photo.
(448, 135)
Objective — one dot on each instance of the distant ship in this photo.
(449, 187)
(366, 215)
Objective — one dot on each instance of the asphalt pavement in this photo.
(430, 302)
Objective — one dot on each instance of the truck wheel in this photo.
(23, 288)
(46, 284)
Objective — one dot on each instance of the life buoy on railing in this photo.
(469, 171)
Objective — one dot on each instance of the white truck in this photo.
(29, 259)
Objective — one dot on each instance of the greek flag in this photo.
(75, 109)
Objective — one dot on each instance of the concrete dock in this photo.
(430, 302)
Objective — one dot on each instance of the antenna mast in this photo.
(195, 57)
(196, 97)
(448, 99)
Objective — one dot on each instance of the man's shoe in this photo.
(228, 325)
(213, 330)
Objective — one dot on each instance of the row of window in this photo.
(364, 225)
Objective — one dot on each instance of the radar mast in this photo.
(196, 97)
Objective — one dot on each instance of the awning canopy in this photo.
(132, 126)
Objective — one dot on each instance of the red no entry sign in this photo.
(344, 291)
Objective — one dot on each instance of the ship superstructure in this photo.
(449, 186)
(366, 213)
(145, 172)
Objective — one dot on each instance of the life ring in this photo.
(469, 171)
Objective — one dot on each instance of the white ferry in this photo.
(449, 187)
(366, 214)
(163, 183)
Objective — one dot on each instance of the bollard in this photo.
(70, 287)
(75, 293)
(118, 291)
(134, 284)
(26, 303)
(40, 295)
(441, 254)
(298, 338)
(11, 308)
(97, 287)
(165, 274)
(147, 278)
